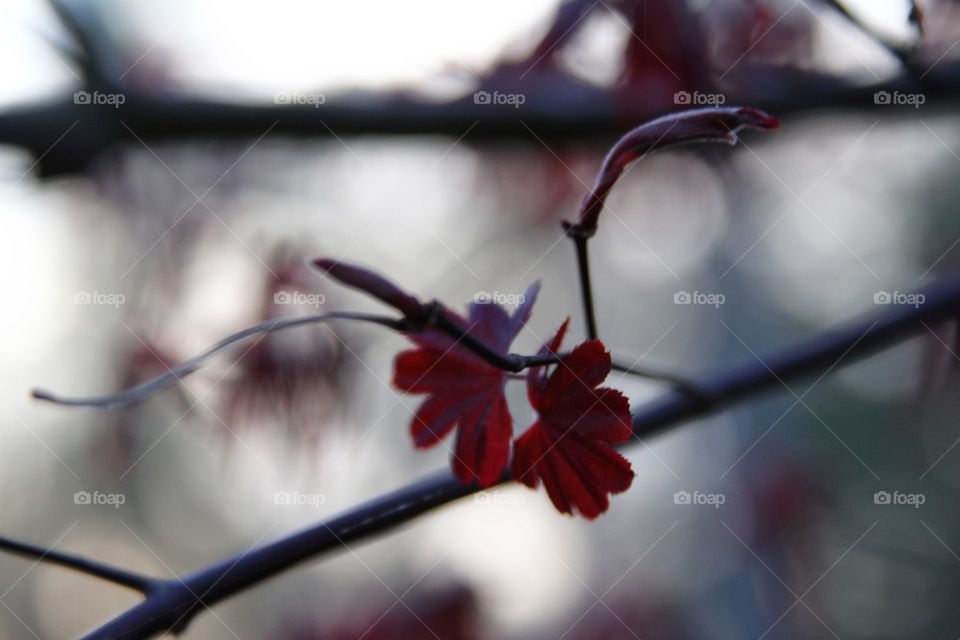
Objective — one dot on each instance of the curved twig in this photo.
(511, 362)
(145, 389)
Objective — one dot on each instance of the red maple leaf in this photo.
(465, 390)
(568, 446)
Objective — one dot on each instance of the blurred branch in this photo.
(91, 53)
(38, 128)
(49, 129)
(65, 137)
(137, 582)
(171, 607)
(902, 53)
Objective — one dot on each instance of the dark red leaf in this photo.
(567, 448)
(465, 390)
(371, 283)
(717, 124)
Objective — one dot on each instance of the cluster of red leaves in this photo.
(567, 447)
(465, 390)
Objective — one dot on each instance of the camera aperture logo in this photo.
(699, 297)
(299, 99)
(699, 99)
(298, 499)
(298, 297)
(101, 99)
(99, 298)
(915, 100)
(912, 299)
(486, 297)
(98, 498)
(497, 98)
(509, 498)
(698, 498)
(897, 498)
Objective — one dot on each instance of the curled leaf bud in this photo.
(719, 124)
(371, 283)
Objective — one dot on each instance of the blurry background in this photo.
(252, 136)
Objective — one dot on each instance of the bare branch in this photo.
(158, 119)
(174, 605)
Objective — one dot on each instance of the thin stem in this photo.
(175, 604)
(686, 386)
(512, 362)
(135, 581)
(439, 319)
(586, 290)
(145, 389)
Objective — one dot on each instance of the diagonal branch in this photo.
(176, 603)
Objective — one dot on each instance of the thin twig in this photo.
(686, 386)
(511, 362)
(173, 375)
(439, 319)
(586, 290)
(137, 582)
